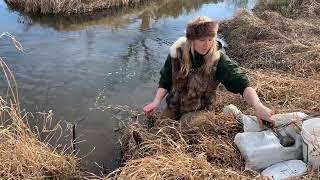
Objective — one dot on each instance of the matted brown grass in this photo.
(268, 40)
(292, 8)
(177, 166)
(173, 136)
(285, 92)
(200, 149)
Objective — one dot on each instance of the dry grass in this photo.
(268, 40)
(178, 166)
(286, 92)
(203, 148)
(199, 149)
(292, 8)
(283, 92)
(22, 154)
(66, 6)
(169, 136)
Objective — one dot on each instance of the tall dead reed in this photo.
(22, 154)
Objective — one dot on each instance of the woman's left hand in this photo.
(263, 113)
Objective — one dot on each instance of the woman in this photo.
(193, 70)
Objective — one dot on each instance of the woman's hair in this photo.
(199, 27)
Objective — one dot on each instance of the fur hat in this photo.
(202, 26)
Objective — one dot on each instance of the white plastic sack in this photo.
(250, 123)
(232, 110)
(285, 170)
(310, 133)
(263, 149)
(287, 118)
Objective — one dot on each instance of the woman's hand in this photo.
(151, 108)
(263, 113)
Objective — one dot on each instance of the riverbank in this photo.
(118, 17)
(280, 53)
(67, 7)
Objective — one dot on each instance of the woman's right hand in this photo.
(151, 108)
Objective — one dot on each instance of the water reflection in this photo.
(244, 4)
(121, 18)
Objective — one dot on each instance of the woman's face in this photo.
(202, 45)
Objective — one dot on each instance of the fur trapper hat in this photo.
(202, 26)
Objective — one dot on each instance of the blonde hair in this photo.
(209, 58)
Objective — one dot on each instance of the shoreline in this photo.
(72, 7)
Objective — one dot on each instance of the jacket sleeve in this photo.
(230, 75)
(166, 75)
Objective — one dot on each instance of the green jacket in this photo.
(228, 73)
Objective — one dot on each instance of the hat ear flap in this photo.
(215, 26)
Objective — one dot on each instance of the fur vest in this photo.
(196, 91)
